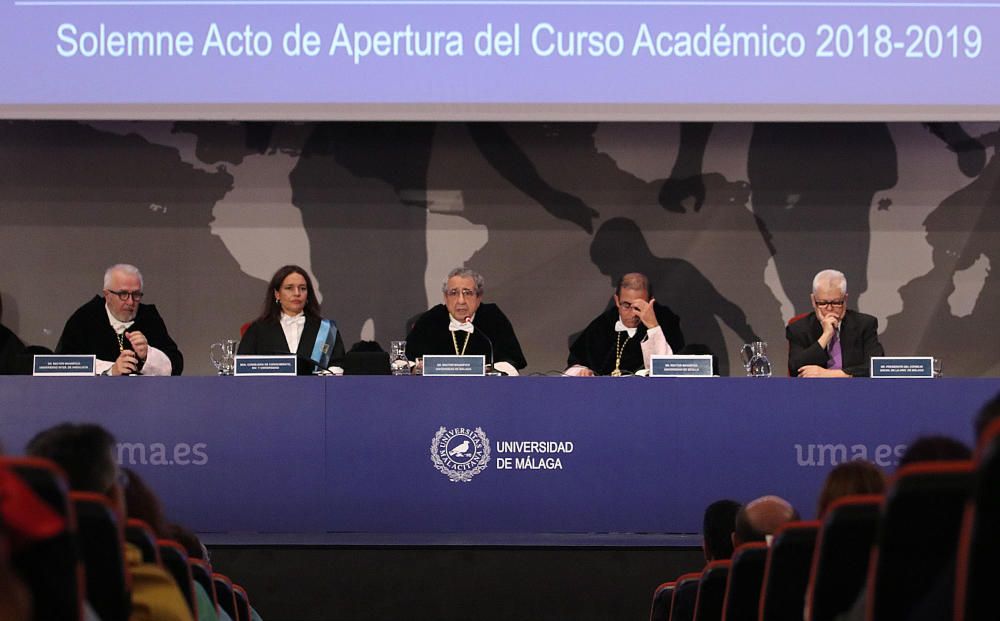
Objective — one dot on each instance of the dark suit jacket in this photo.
(266, 338)
(858, 343)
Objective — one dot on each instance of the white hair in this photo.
(830, 278)
(125, 268)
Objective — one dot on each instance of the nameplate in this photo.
(681, 366)
(265, 365)
(902, 366)
(46, 365)
(448, 366)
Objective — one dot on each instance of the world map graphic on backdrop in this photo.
(729, 221)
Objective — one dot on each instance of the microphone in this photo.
(492, 370)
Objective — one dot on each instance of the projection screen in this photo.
(502, 60)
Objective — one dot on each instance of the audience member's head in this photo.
(762, 517)
(989, 413)
(84, 451)
(195, 548)
(849, 478)
(142, 503)
(717, 529)
(935, 448)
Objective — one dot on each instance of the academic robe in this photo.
(11, 352)
(595, 347)
(858, 343)
(430, 335)
(88, 331)
(266, 338)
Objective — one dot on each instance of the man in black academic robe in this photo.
(12, 352)
(127, 337)
(624, 337)
(464, 325)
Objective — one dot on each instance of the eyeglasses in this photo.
(124, 295)
(627, 306)
(454, 293)
(829, 303)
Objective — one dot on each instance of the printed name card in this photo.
(63, 366)
(448, 366)
(265, 365)
(903, 366)
(681, 366)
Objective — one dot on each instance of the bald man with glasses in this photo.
(128, 337)
(833, 341)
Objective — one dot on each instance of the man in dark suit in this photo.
(127, 337)
(833, 341)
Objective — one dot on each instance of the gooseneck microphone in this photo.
(492, 369)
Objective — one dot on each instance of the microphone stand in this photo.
(490, 369)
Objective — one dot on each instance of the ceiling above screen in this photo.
(500, 60)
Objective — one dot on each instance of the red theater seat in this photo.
(977, 572)
(102, 547)
(225, 595)
(242, 602)
(746, 576)
(711, 591)
(685, 595)
(201, 572)
(139, 534)
(918, 536)
(840, 563)
(48, 563)
(786, 575)
(662, 596)
(175, 561)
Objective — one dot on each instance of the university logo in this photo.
(460, 453)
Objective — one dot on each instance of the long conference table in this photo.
(533, 458)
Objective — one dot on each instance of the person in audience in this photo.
(291, 322)
(86, 453)
(717, 529)
(760, 518)
(127, 337)
(847, 479)
(832, 341)
(465, 325)
(142, 504)
(935, 448)
(621, 340)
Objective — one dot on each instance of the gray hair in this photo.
(830, 278)
(125, 268)
(464, 272)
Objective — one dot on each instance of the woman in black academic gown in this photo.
(290, 322)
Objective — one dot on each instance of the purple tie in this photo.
(836, 356)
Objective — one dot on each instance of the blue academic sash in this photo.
(323, 347)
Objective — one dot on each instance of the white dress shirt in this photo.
(293, 327)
